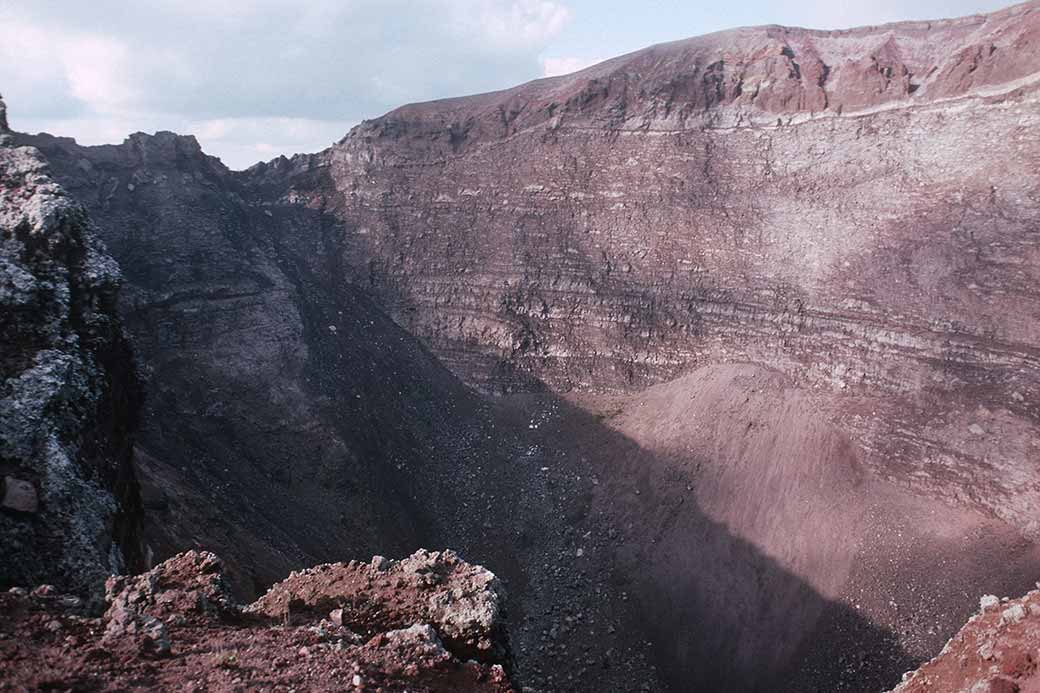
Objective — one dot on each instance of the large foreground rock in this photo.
(461, 601)
(393, 626)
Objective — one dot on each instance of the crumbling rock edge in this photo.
(997, 651)
(429, 622)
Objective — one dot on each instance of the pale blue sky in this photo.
(253, 79)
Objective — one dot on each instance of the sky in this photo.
(254, 79)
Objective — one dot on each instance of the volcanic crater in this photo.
(721, 355)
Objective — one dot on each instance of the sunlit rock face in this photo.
(858, 209)
(994, 651)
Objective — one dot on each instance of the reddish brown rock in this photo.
(192, 582)
(997, 651)
(176, 628)
(460, 600)
(710, 201)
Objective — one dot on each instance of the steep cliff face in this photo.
(854, 211)
(856, 208)
(70, 510)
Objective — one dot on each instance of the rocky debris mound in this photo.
(997, 651)
(391, 625)
(69, 505)
(188, 587)
(188, 584)
(461, 601)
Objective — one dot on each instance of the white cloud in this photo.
(96, 69)
(283, 74)
(554, 67)
(515, 24)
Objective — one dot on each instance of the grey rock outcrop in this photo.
(68, 400)
(5, 129)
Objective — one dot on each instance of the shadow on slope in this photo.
(717, 612)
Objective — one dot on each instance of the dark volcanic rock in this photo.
(177, 628)
(290, 421)
(277, 389)
(70, 512)
(19, 495)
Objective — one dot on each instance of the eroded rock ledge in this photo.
(429, 622)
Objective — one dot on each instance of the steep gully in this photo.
(762, 306)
